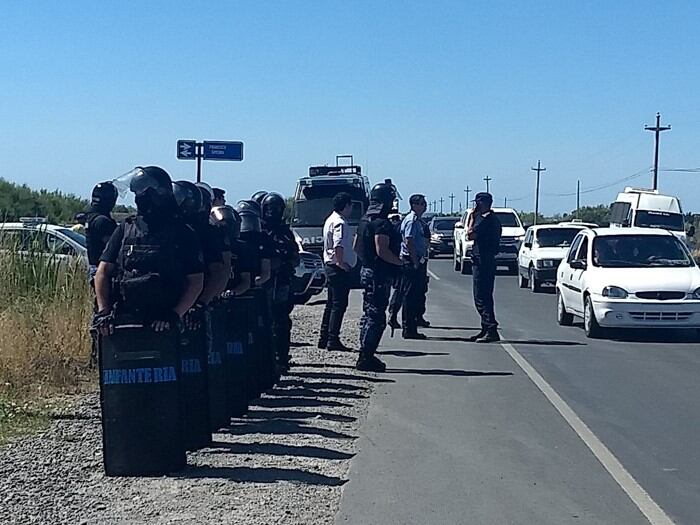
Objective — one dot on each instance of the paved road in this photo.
(461, 434)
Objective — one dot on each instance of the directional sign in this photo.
(186, 149)
(223, 150)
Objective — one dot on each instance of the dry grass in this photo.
(45, 310)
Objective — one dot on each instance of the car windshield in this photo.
(77, 237)
(551, 237)
(639, 251)
(508, 219)
(659, 219)
(315, 212)
(444, 224)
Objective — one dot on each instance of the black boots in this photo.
(370, 363)
(485, 336)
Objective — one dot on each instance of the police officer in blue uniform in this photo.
(414, 254)
(484, 229)
(377, 245)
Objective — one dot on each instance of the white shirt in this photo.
(336, 232)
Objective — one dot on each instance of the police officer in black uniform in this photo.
(99, 224)
(484, 229)
(287, 253)
(154, 258)
(377, 245)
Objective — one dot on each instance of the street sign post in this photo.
(209, 150)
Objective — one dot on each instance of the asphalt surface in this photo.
(461, 434)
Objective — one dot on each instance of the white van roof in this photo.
(650, 200)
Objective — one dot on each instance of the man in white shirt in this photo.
(339, 258)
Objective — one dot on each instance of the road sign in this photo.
(223, 150)
(186, 149)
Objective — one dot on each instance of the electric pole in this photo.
(441, 201)
(505, 202)
(452, 200)
(578, 197)
(430, 206)
(538, 169)
(487, 179)
(467, 191)
(657, 131)
(435, 206)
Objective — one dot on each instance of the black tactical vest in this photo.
(95, 244)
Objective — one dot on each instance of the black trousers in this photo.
(336, 305)
(413, 287)
(484, 278)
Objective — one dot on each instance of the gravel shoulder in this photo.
(285, 462)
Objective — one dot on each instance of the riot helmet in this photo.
(258, 196)
(104, 196)
(249, 212)
(273, 206)
(188, 197)
(153, 190)
(207, 196)
(227, 218)
(383, 193)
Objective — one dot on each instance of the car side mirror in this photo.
(578, 264)
(459, 226)
(528, 245)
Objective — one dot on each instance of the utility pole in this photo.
(487, 179)
(430, 206)
(538, 169)
(467, 191)
(435, 206)
(578, 198)
(441, 201)
(657, 131)
(505, 202)
(452, 200)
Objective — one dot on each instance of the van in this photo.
(648, 209)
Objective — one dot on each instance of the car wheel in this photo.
(522, 281)
(590, 323)
(466, 268)
(458, 261)
(564, 318)
(535, 285)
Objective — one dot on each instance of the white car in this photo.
(512, 234)
(628, 278)
(542, 250)
(35, 234)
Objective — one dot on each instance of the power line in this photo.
(602, 186)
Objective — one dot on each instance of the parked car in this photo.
(542, 250)
(442, 235)
(511, 236)
(309, 275)
(34, 234)
(628, 278)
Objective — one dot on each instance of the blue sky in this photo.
(434, 95)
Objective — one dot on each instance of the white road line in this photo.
(433, 275)
(634, 490)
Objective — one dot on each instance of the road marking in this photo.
(624, 479)
(433, 275)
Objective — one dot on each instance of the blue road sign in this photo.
(186, 149)
(223, 150)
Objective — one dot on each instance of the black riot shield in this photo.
(216, 349)
(140, 399)
(237, 354)
(264, 332)
(195, 389)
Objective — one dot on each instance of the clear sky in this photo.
(435, 95)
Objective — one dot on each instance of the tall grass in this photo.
(45, 309)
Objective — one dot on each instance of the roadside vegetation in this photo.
(45, 307)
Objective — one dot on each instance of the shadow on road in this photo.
(298, 414)
(658, 335)
(276, 449)
(307, 392)
(441, 372)
(543, 342)
(298, 345)
(410, 353)
(454, 327)
(261, 475)
(282, 427)
(340, 376)
(281, 402)
(326, 385)
(448, 338)
(316, 302)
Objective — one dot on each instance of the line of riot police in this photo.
(192, 316)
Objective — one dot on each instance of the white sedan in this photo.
(628, 278)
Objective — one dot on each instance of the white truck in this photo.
(648, 209)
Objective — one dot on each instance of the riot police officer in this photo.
(484, 229)
(287, 253)
(99, 224)
(377, 246)
(154, 258)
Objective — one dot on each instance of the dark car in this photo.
(441, 235)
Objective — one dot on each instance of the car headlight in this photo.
(614, 292)
(696, 294)
(546, 263)
(435, 237)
